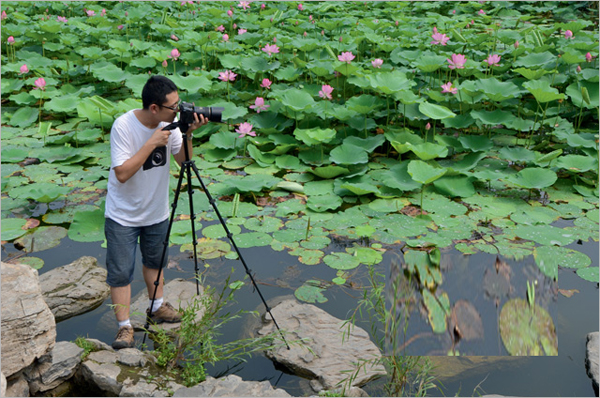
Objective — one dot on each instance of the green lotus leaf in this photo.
(252, 239)
(401, 140)
(314, 136)
(526, 331)
(577, 163)
(251, 183)
(517, 154)
(589, 274)
(43, 192)
(428, 150)
(216, 231)
(435, 310)
(430, 63)
(389, 205)
(237, 164)
(544, 234)
(341, 261)
(455, 186)
(574, 92)
(289, 73)
(536, 60)
(434, 111)
(109, 72)
(329, 172)
(366, 255)
(348, 154)
(13, 155)
(24, 117)
(192, 84)
(263, 224)
(207, 248)
(493, 117)
(369, 144)
(315, 242)
(531, 74)
(424, 173)
(65, 103)
(549, 258)
(297, 100)
(289, 235)
(360, 188)
(534, 178)
(542, 91)
(363, 104)
(87, 226)
(390, 82)
(258, 64)
(499, 91)
(307, 256)
(536, 215)
(321, 68)
(346, 69)
(476, 143)
(12, 228)
(42, 238)
(311, 292)
(321, 203)
(262, 159)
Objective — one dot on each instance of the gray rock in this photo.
(2, 385)
(103, 375)
(75, 288)
(104, 356)
(133, 357)
(178, 292)
(28, 326)
(99, 345)
(592, 357)
(53, 369)
(17, 386)
(231, 386)
(328, 354)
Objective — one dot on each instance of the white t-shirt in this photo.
(144, 198)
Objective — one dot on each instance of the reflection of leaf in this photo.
(436, 312)
(465, 321)
(526, 331)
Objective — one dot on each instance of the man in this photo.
(137, 200)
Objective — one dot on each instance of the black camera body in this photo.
(187, 110)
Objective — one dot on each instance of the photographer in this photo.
(137, 200)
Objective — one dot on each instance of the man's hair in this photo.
(156, 89)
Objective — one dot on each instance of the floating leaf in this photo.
(589, 274)
(342, 261)
(314, 136)
(42, 238)
(534, 178)
(527, 331)
(87, 226)
(310, 292)
(454, 186)
(12, 228)
(208, 249)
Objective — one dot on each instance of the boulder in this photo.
(591, 359)
(2, 385)
(178, 292)
(75, 288)
(55, 368)
(17, 386)
(327, 352)
(28, 326)
(231, 386)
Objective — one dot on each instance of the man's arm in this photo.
(180, 156)
(131, 166)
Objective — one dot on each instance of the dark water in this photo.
(563, 375)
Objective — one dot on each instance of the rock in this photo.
(28, 326)
(449, 368)
(102, 375)
(2, 385)
(99, 345)
(591, 359)
(332, 352)
(178, 292)
(75, 288)
(53, 369)
(231, 386)
(17, 386)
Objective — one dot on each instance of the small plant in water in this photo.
(87, 346)
(531, 294)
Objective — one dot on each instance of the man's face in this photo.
(169, 109)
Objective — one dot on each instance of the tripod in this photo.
(186, 169)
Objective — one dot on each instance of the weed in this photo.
(87, 346)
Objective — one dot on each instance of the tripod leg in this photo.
(192, 219)
(164, 252)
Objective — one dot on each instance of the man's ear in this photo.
(154, 108)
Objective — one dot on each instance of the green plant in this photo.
(87, 346)
(406, 375)
(196, 342)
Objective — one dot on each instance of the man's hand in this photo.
(159, 138)
(197, 122)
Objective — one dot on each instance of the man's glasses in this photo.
(173, 108)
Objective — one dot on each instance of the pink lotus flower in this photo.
(4, 16)
(439, 38)
(245, 129)
(310, 18)
(578, 68)
(40, 83)
(23, 69)
(304, 34)
(221, 28)
(241, 31)
(10, 40)
(271, 49)
(61, 19)
(481, 12)
(300, 7)
(244, 4)
(397, 23)
(229, 13)
(458, 61)
(165, 63)
(227, 76)
(120, 27)
(266, 83)
(103, 12)
(326, 91)
(517, 44)
(493, 60)
(377, 63)
(568, 34)
(427, 126)
(447, 88)
(275, 40)
(263, 6)
(346, 57)
(90, 13)
(175, 38)
(225, 37)
(175, 54)
(589, 57)
(259, 105)
(234, 26)
(453, 11)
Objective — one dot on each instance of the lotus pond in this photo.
(450, 146)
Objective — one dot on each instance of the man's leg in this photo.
(150, 275)
(121, 299)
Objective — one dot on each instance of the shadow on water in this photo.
(280, 274)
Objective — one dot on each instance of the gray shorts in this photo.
(122, 243)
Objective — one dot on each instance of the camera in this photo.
(157, 158)
(187, 110)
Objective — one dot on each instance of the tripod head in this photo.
(183, 127)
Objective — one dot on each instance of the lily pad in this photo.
(87, 226)
(343, 261)
(307, 256)
(208, 249)
(42, 238)
(12, 228)
(527, 331)
(589, 274)
(534, 178)
(311, 292)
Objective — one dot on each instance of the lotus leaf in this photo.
(251, 183)
(531, 74)
(544, 234)
(492, 117)
(13, 228)
(297, 100)
(589, 274)
(542, 91)
(517, 154)
(577, 163)
(536, 60)
(314, 136)
(341, 261)
(438, 309)
(534, 178)
(307, 256)
(321, 203)
(428, 150)
(24, 117)
(424, 173)
(388, 205)
(263, 224)
(41, 238)
(315, 242)
(329, 172)
(318, 187)
(208, 249)
(253, 239)
(347, 154)
(499, 91)
(526, 331)
(434, 111)
(311, 292)
(216, 231)
(364, 104)
(366, 255)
